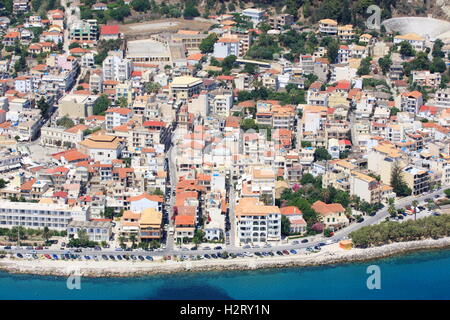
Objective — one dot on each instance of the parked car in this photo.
(218, 248)
(304, 240)
(285, 252)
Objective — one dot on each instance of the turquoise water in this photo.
(420, 275)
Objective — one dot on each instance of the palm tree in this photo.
(122, 241)
(132, 239)
(46, 234)
(391, 209)
(415, 203)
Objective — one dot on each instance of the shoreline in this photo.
(331, 254)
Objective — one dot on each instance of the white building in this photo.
(256, 15)
(116, 68)
(225, 47)
(39, 215)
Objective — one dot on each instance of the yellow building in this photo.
(185, 87)
(150, 224)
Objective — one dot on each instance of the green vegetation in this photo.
(82, 240)
(285, 226)
(3, 183)
(292, 95)
(65, 122)
(264, 48)
(321, 154)
(387, 232)
(398, 184)
(207, 44)
(385, 63)
(364, 68)
(101, 105)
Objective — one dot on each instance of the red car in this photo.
(48, 256)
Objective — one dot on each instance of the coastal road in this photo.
(339, 235)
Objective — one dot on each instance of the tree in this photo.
(447, 192)
(399, 186)
(46, 234)
(307, 178)
(133, 239)
(285, 226)
(385, 63)
(394, 111)
(332, 51)
(438, 65)
(43, 106)
(198, 237)
(391, 209)
(437, 49)
(82, 235)
(327, 232)
(65, 122)
(152, 87)
(140, 5)
(406, 49)
(3, 183)
(321, 154)
(101, 105)
(207, 44)
(190, 11)
(364, 68)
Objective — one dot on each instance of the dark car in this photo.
(112, 257)
(293, 251)
(8, 248)
(119, 257)
(78, 250)
(207, 256)
(141, 258)
(194, 248)
(133, 257)
(258, 254)
(279, 253)
(304, 240)
(285, 252)
(19, 255)
(218, 248)
(421, 208)
(149, 258)
(322, 244)
(271, 253)
(214, 256)
(105, 257)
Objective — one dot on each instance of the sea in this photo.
(418, 275)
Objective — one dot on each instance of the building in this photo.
(85, 30)
(116, 68)
(96, 230)
(101, 148)
(117, 117)
(416, 41)
(256, 222)
(40, 215)
(185, 87)
(150, 225)
(346, 33)
(411, 101)
(295, 216)
(333, 214)
(76, 105)
(109, 32)
(328, 27)
(426, 79)
(417, 179)
(281, 20)
(225, 47)
(256, 16)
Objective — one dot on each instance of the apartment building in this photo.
(185, 87)
(54, 136)
(426, 79)
(95, 230)
(381, 161)
(345, 33)
(256, 16)
(279, 21)
(328, 27)
(117, 68)
(85, 30)
(40, 215)
(416, 41)
(417, 179)
(117, 117)
(442, 98)
(225, 47)
(150, 225)
(411, 101)
(256, 222)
